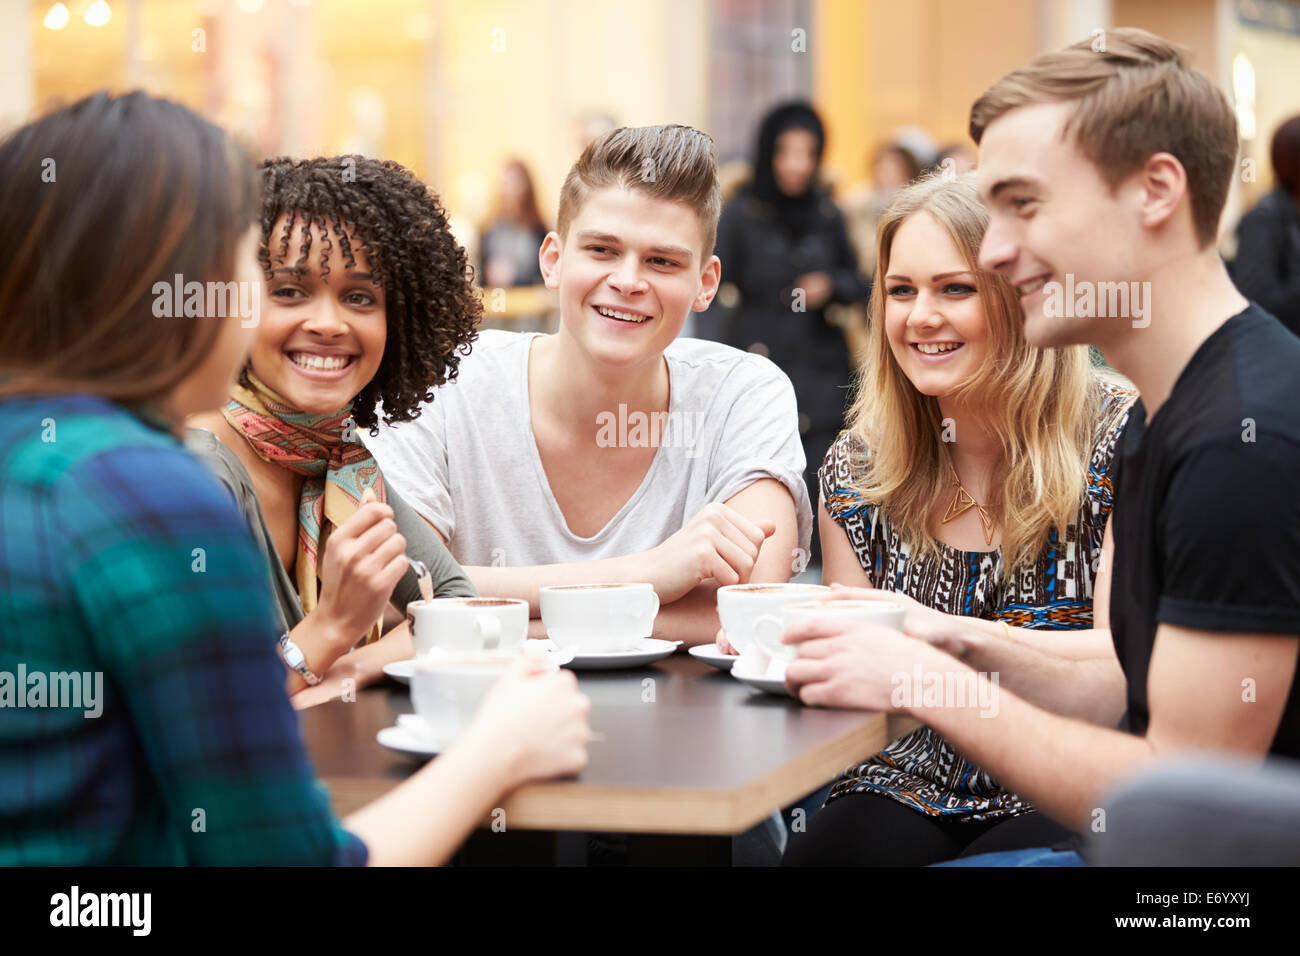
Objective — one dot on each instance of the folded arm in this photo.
(750, 537)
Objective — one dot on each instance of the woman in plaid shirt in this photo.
(126, 571)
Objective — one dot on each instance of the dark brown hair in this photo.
(98, 201)
(1285, 153)
(527, 208)
(381, 208)
(1134, 96)
(674, 163)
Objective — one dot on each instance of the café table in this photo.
(687, 758)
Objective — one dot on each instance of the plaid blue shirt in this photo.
(121, 555)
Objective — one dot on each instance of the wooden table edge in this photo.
(572, 806)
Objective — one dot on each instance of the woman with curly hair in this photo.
(367, 301)
(103, 509)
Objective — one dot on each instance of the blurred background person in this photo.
(514, 233)
(893, 166)
(785, 250)
(1267, 267)
(592, 125)
(962, 159)
(507, 255)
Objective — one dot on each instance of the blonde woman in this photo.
(971, 481)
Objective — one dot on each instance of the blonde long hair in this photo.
(1043, 403)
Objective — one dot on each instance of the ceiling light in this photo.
(98, 13)
(57, 17)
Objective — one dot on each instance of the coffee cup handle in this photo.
(652, 605)
(637, 610)
(767, 631)
(489, 629)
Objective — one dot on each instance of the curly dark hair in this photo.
(433, 309)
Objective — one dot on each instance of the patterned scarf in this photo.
(337, 472)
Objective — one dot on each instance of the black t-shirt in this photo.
(1206, 519)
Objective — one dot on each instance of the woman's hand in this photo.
(364, 559)
(816, 287)
(536, 719)
(361, 668)
(948, 632)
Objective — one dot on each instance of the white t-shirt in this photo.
(469, 463)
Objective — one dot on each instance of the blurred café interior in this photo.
(457, 90)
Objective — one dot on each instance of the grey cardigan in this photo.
(421, 541)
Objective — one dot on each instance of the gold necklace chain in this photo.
(962, 502)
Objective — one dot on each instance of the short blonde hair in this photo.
(673, 163)
(1135, 96)
(1045, 402)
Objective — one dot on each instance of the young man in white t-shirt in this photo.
(613, 451)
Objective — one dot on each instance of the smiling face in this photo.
(1052, 215)
(629, 272)
(321, 339)
(934, 318)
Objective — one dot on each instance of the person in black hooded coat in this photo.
(785, 248)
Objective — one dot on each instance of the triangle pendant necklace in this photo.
(963, 502)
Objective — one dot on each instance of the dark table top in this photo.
(685, 749)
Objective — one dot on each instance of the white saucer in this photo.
(710, 654)
(770, 680)
(411, 736)
(647, 651)
(401, 671)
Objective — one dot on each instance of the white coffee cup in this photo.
(446, 690)
(598, 618)
(742, 606)
(768, 632)
(464, 626)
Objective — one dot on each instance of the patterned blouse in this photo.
(922, 770)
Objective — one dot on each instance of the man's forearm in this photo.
(1059, 764)
(1091, 689)
(523, 583)
(692, 619)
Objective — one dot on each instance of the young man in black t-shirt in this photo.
(1105, 168)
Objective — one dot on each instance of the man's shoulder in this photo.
(1273, 205)
(495, 359)
(713, 361)
(496, 345)
(1252, 372)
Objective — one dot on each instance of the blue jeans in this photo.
(1037, 856)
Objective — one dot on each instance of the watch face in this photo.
(294, 657)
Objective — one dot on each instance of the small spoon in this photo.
(422, 575)
(423, 578)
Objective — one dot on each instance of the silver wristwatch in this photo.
(296, 661)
